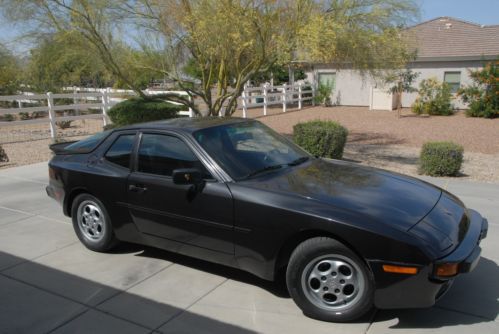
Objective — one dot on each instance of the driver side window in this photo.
(161, 154)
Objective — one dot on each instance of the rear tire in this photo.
(92, 223)
(328, 281)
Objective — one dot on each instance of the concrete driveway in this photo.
(50, 283)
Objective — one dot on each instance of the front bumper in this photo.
(467, 254)
(424, 288)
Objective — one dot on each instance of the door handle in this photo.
(137, 188)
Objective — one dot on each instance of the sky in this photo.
(477, 11)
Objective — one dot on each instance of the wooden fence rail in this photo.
(267, 95)
(102, 100)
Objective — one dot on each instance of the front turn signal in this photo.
(447, 269)
(400, 269)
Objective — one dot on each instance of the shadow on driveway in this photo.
(472, 298)
(26, 308)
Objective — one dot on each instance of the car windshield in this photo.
(249, 148)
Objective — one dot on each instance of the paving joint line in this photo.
(190, 305)
(37, 257)
(68, 321)
(31, 214)
(23, 179)
(371, 320)
(16, 221)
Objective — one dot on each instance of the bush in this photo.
(8, 118)
(139, 110)
(440, 159)
(434, 98)
(321, 138)
(323, 95)
(483, 94)
(3, 155)
(64, 124)
(24, 116)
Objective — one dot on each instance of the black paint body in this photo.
(255, 224)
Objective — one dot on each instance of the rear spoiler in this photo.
(59, 148)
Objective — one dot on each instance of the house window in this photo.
(328, 79)
(453, 79)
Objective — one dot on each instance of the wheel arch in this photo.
(71, 197)
(292, 242)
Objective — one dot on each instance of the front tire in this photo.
(92, 223)
(328, 281)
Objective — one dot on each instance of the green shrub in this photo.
(64, 124)
(434, 98)
(321, 138)
(483, 94)
(109, 127)
(323, 94)
(440, 159)
(9, 118)
(24, 116)
(139, 110)
(3, 155)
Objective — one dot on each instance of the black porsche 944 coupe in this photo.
(234, 192)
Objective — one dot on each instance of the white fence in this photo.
(99, 100)
(267, 95)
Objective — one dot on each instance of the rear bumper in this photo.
(55, 193)
(425, 288)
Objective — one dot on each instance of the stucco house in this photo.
(446, 49)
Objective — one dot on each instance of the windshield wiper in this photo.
(298, 161)
(263, 170)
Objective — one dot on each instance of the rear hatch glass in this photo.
(83, 146)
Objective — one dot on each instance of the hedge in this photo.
(440, 159)
(321, 138)
(139, 110)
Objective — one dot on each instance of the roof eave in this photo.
(456, 58)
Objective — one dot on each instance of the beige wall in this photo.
(353, 88)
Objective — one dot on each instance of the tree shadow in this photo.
(376, 152)
(374, 138)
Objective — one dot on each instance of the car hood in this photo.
(379, 195)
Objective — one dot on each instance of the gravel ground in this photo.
(377, 138)
(384, 127)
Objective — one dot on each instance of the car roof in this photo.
(186, 124)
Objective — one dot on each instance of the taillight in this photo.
(51, 173)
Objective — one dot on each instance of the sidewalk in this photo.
(50, 283)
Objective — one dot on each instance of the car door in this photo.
(199, 216)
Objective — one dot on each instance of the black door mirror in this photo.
(187, 176)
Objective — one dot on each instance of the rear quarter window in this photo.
(120, 151)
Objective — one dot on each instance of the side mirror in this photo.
(187, 176)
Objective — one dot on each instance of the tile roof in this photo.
(446, 37)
